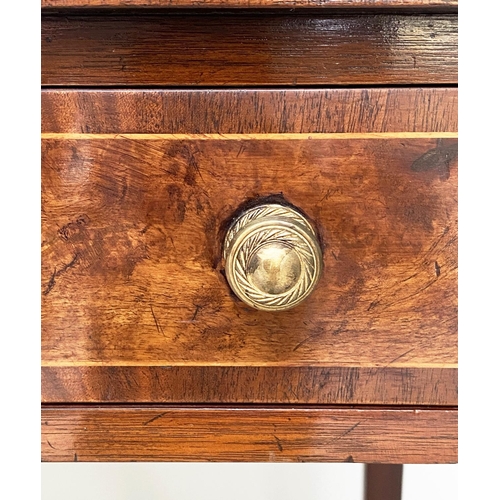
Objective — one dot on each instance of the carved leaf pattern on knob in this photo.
(259, 212)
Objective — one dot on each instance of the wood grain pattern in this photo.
(250, 384)
(237, 4)
(131, 263)
(246, 111)
(286, 434)
(248, 49)
(138, 187)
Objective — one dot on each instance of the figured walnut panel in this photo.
(221, 49)
(235, 4)
(244, 434)
(132, 270)
(246, 111)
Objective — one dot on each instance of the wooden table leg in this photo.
(383, 481)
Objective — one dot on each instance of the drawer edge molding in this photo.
(246, 111)
(246, 434)
(250, 384)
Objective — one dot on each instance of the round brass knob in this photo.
(273, 258)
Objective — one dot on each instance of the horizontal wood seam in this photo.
(246, 406)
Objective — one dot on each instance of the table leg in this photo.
(383, 481)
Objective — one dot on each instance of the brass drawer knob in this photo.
(273, 258)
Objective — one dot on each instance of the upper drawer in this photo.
(138, 189)
(228, 48)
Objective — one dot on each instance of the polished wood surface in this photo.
(132, 231)
(248, 434)
(246, 111)
(250, 384)
(248, 49)
(151, 145)
(241, 4)
(383, 482)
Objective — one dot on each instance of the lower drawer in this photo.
(138, 190)
(246, 434)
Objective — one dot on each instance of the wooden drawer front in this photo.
(249, 48)
(135, 303)
(248, 434)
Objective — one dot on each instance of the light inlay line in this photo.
(251, 137)
(311, 364)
